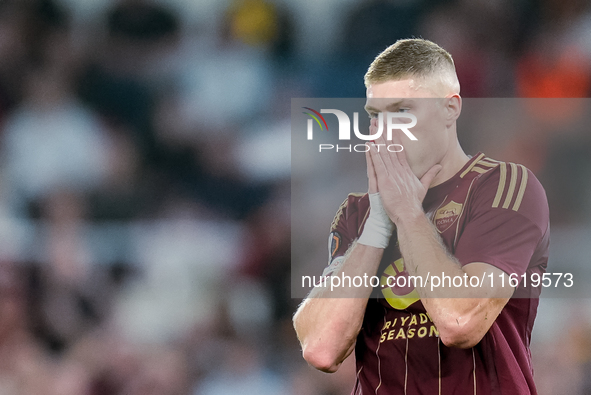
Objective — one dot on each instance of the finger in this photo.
(428, 177)
(400, 155)
(371, 174)
(377, 163)
(373, 126)
(385, 154)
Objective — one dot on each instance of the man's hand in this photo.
(401, 191)
(464, 319)
(378, 227)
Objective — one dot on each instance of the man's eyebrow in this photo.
(390, 106)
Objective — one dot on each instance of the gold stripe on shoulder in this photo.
(491, 160)
(522, 186)
(487, 163)
(471, 166)
(479, 170)
(501, 187)
(512, 183)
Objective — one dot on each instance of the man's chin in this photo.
(418, 171)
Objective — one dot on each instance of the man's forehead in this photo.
(393, 89)
(399, 89)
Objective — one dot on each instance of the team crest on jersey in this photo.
(447, 215)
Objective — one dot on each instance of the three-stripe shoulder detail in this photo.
(511, 187)
(480, 165)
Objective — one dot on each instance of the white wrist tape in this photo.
(378, 227)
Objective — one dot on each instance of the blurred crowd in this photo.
(145, 174)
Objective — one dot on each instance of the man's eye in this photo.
(403, 110)
(373, 115)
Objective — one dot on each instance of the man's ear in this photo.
(453, 107)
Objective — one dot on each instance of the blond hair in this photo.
(418, 58)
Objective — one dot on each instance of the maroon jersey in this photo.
(492, 212)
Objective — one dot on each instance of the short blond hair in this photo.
(414, 57)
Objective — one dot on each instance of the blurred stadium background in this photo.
(145, 179)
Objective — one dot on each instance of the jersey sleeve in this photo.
(508, 221)
(345, 228)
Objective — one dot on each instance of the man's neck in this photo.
(452, 162)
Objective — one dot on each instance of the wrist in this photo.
(410, 217)
(378, 227)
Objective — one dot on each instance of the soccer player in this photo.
(436, 214)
